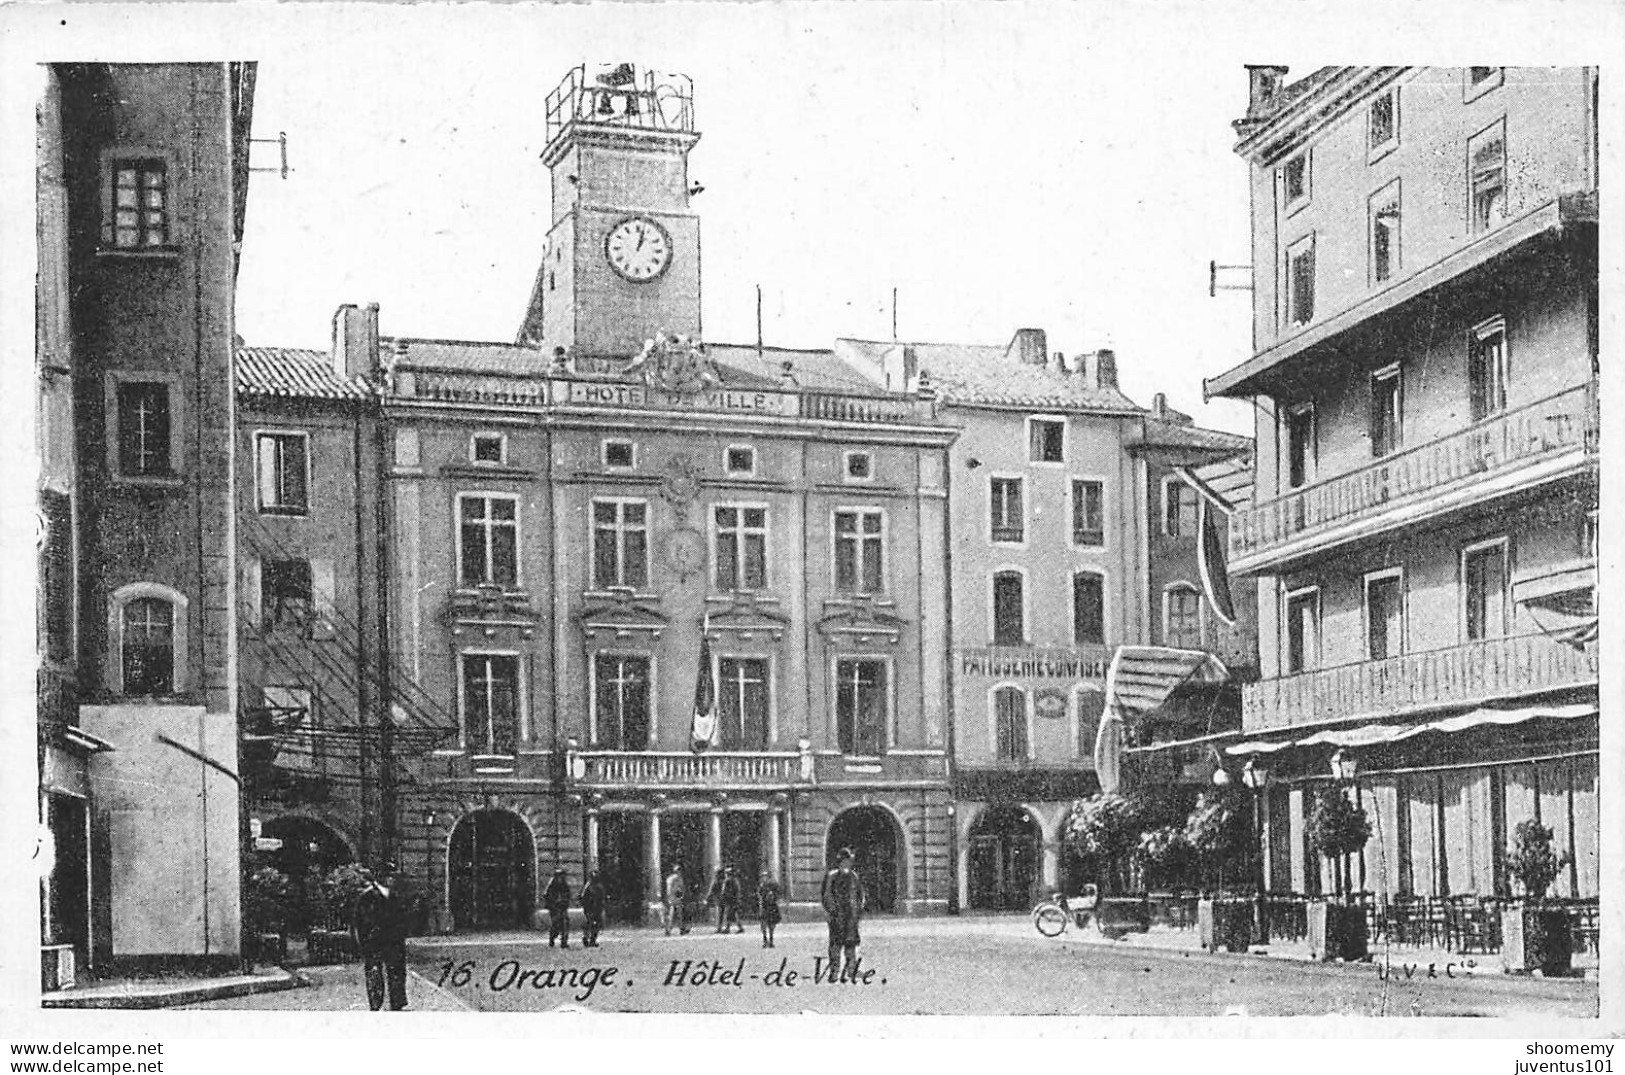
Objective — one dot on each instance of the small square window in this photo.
(859, 466)
(740, 460)
(144, 430)
(285, 593)
(1481, 80)
(1046, 440)
(1295, 180)
(620, 453)
(283, 473)
(489, 448)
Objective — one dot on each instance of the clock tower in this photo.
(622, 259)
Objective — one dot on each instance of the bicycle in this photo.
(1054, 915)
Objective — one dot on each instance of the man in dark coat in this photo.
(768, 894)
(728, 902)
(380, 920)
(593, 898)
(843, 897)
(556, 898)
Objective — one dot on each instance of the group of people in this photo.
(383, 916)
(725, 895)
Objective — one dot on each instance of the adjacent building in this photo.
(143, 173)
(1423, 533)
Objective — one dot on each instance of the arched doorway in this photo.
(310, 850)
(1003, 859)
(876, 844)
(493, 871)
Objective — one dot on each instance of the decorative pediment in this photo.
(489, 609)
(861, 621)
(620, 619)
(745, 619)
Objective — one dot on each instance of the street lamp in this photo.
(1256, 777)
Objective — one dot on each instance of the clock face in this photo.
(638, 248)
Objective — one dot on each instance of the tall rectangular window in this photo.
(1088, 512)
(862, 706)
(1382, 123)
(741, 541)
(1386, 430)
(283, 473)
(1008, 609)
(621, 701)
(1295, 181)
(1300, 441)
(620, 543)
(1487, 176)
(1384, 213)
(56, 573)
(1010, 724)
(1302, 631)
(488, 532)
(147, 647)
(1300, 273)
(742, 703)
(1005, 510)
(1484, 591)
(490, 702)
(860, 540)
(144, 429)
(1487, 369)
(1046, 440)
(1088, 609)
(1182, 618)
(1384, 617)
(139, 208)
(1179, 509)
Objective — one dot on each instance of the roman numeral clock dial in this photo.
(638, 249)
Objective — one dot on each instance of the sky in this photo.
(1000, 166)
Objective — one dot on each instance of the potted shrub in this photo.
(1104, 832)
(1535, 936)
(1337, 829)
(330, 938)
(1216, 832)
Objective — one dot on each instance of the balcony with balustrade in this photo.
(1466, 675)
(1514, 452)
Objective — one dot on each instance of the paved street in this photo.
(993, 966)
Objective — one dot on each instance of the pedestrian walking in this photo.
(843, 898)
(768, 894)
(556, 898)
(593, 898)
(380, 920)
(674, 901)
(728, 902)
(713, 897)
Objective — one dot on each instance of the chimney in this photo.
(1263, 84)
(355, 340)
(1058, 362)
(1028, 346)
(1105, 369)
(1159, 405)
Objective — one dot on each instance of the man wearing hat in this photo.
(843, 900)
(380, 920)
(556, 899)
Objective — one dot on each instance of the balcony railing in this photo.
(834, 408)
(1452, 471)
(677, 769)
(1470, 674)
(488, 388)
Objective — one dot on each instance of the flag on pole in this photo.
(1211, 552)
(704, 732)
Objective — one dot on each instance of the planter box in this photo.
(1226, 924)
(1117, 915)
(1534, 938)
(1337, 932)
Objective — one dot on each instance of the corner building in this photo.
(1423, 533)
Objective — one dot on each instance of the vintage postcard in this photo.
(820, 510)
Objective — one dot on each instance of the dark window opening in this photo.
(1047, 441)
(148, 658)
(1088, 513)
(861, 707)
(286, 596)
(621, 688)
(1010, 724)
(742, 709)
(491, 702)
(143, 429)
(1008, 629)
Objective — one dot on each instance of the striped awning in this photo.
(1141, 678)
(1367, 735)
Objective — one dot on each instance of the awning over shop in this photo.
(1367, 735)
(1139, 680)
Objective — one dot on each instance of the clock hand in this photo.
(642, 235)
